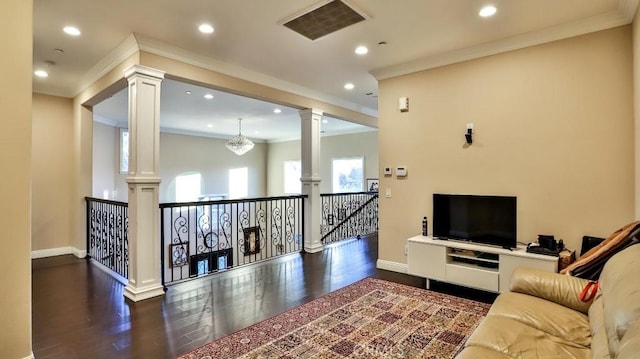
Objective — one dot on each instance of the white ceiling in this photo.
(193, 114)
(250, 42)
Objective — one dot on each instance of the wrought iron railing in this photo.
(107, 239)
(348, 215)
(199, 238)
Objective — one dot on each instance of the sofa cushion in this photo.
(518, 340)
(621, 301)
(549, 317)
(599, 342)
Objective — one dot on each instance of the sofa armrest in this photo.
(559, 288)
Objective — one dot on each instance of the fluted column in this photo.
(311, 121)
(144, 183)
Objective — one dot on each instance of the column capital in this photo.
(310, 112)
(144, 71)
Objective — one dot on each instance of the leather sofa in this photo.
(542, 316)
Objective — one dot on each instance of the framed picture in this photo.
(372, 184)
(251, 240)
(179, 254)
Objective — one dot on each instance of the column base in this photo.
(313, 247)
(138, 294)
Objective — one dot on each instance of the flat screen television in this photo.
(481, 219)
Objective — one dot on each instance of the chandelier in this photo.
(239, 144)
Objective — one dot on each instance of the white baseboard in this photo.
(52, 252)
(30, 356)
(80, 253)
(115, 275)
(391, 266)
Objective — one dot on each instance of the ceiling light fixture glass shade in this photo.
(239, 144)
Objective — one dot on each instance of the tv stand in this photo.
(472, 265)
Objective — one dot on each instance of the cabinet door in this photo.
(426, 260)
(508, 264)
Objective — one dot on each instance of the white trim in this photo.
(106, 121)
(80, 253)
(31, 356)
(622, 16)
(175, 53)
(391, 266)
(125, 50)
(53, 252)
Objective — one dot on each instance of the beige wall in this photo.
(106, 165)
(636, 103)
(52, 172)
(351, 145)
(553, 126)
(16, 37)
(180, 154)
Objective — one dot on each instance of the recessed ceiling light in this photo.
(208, 96)
(41, 73)
(205, 28)
(361, 50)
(349, 86)
(188, 92)
(488, 11)
(210, 125)
(71, 30)
(277, 110)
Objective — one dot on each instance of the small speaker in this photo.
(469, 136)
(589, 242)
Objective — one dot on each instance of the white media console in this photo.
(471, 265)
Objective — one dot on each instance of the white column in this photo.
(144, 183)
(311, 121)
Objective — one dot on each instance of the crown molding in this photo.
(126, 49)
(107, 121)
(176, 53)
(628, 9)
(622, 16)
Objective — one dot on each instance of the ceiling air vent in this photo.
(324, 19)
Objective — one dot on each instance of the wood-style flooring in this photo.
(79, 310)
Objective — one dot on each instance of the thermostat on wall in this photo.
(401, 171)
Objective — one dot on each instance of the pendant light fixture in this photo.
(239, 144)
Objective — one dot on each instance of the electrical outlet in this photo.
(387, 193)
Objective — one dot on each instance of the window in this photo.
(124, 151)
(188, 187)
(292, 174)
(347, 174)
(238, 182)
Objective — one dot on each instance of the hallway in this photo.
(79, 310)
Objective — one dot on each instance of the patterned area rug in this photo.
(368, 319)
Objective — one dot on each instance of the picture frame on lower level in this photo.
(251, 240)
(179, 254)
(372, 184)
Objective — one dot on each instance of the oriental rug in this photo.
(372, 318)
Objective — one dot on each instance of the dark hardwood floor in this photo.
(79, 310)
